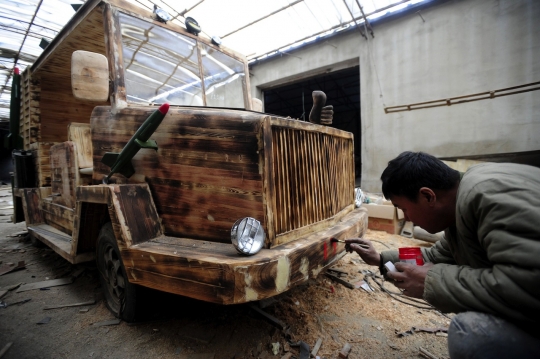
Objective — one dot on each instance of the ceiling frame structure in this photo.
(24, 32)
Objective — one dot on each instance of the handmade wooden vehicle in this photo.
(168, 226)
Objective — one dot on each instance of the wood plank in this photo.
(140, 221)
(94, 194)
(65, 173)
(45, 284)
(59, 216)
(81, 304)
(113, 46)
(310, 127)
(31, 207)
(215, 272)
(80, 134)
(267, 159)
(89, 76)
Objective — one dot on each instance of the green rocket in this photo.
(121, 162)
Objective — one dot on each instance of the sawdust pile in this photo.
(369, 321)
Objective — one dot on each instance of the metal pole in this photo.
(262, 18)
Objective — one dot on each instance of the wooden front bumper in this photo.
(216, 272)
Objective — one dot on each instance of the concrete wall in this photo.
(463, 47)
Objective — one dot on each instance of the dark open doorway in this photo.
(342, 90)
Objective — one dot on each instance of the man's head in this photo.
(423, 187)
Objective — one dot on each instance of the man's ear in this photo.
(427, 195)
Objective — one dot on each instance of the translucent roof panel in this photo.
(256, 28)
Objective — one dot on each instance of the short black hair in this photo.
(410, 171)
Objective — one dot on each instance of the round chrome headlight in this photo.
(247, 235)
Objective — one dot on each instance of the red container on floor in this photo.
(411, 255)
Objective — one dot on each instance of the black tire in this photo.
(120, 296)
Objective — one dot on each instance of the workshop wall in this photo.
(448, 49)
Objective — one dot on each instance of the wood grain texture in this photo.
(59, 108)
(32, 213)
(65, 173)
(313, 173)
(215, 272)
(89, 76)
(80, 134)
(267, 158)
(88, 220)
(41, 155)
(93, 194)
(53, 99)
(205, 174)
(30, 111)
(135, 209)
(58, 216)
(113, 46)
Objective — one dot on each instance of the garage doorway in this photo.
(342, 90)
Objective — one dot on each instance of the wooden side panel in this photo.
(80, 134)
(205, 174)
(91, 212)
(94, 194)
(58, 106)
(58, 216)
(88, 220)
(30, 112)
(136, 213)
(65, 174)
(41, 152)
(215, 272)
(32, 212)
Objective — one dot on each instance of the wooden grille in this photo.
(313, 174)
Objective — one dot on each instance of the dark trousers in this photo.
(481, 335)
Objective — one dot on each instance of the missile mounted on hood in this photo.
(121, 162)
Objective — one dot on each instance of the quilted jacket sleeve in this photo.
(501, 216)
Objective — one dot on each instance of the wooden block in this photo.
(90, 76)
(45, 284)
(90, 302)
(316, 347)
(344, 353)
(80, 134)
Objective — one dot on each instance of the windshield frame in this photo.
(115, 53)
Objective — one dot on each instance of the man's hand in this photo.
(365, 250)
(410, 278)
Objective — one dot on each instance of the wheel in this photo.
(120, 295)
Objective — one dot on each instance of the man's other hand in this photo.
(365, 250)
(410, 278)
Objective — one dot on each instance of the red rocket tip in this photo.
(164, 108)
(16, 70)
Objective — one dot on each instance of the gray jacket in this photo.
(490, 260)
